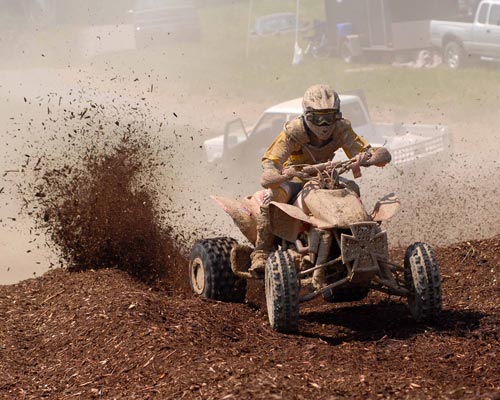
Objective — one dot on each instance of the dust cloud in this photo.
(87, 70)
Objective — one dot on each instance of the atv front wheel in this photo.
(423, 280)
(210, 273)
(282, 292)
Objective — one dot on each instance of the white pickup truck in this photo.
(460, 41)
(406, 142)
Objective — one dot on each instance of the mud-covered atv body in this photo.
(327, 245)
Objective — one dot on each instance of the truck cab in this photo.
(486, 30)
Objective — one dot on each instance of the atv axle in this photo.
(318, 292)
(306, 272)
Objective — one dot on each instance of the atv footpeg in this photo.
(240, 261)
(364, 248)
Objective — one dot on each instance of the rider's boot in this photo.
(264, 244)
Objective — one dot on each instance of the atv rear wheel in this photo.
(282, 292)
(423, 280)
(210, 273)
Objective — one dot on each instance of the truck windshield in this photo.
(268, 127)
(271, 124)
(354, 113)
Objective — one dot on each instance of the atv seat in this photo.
(294, 188)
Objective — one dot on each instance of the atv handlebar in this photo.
(380, 157)
(331, 170)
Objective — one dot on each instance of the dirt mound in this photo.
(103, 334)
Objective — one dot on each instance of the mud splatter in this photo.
(98, 201)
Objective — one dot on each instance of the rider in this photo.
(311, 138)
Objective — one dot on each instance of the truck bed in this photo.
(461, 30)
(410, 142)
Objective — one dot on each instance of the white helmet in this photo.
(321, 106)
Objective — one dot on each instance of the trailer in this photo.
(394, 27)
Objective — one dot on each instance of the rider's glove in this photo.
(379, 157)
(289, 172)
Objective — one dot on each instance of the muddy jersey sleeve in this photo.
(352, 143)
(278, 152)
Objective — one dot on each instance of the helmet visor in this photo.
(321, 118)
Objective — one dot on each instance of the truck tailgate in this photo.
(409, 143)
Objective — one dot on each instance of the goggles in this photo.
(322, 118)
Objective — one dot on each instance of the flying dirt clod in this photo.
(99, 203)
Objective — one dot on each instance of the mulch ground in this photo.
(104, 334)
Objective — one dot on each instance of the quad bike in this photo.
(327, 245)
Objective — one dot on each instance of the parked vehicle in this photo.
(274, 24)
(327, 246)
(461, 41)
(385, 27)
(407, 143)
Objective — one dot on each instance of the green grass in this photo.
(260, 69)
(268, 73)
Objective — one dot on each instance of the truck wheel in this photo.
(423, 280)
(346, 294)
(282, 292)
(210, 273)
(454, 55)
